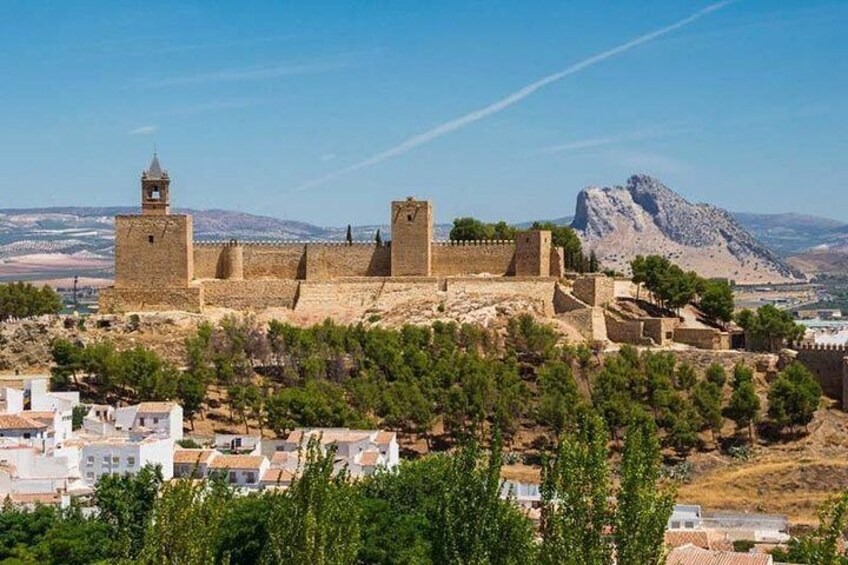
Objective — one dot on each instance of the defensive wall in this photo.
(829, 364)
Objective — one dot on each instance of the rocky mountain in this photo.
(646, 217)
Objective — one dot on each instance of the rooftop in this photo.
(237, 462)
(155, 407)
(193, 456)
(19, 422)
(691, 555)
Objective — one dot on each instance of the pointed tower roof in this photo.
(154, 171)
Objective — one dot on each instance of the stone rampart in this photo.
(359, 295)
(281, 260)
(152, 251)
(324, 262)
(114, 300)
(456, 258)
(566, 302)
(828, 364)
(590, 322)
(249, 294)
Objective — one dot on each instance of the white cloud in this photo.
(513, 98)
(144, 130)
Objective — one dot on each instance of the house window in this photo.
(105, 459)
(155, 420)
(154, 193)
(689, 525)
(675, 525)
(27, 435)
(90, 460)
(250, 477)
(233, 478)
(130, 461)
(116, 460)
(141, 420)
(149, 239)
(89, 475)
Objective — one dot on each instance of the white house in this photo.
(685, 517)
(162, 418)
(59, 423)
(362, 451)
(40, 399)
(11, 400)
(193, 463)
(22, 430)
(241, 470)
(120, 455)
(27, 471)
(238, 444)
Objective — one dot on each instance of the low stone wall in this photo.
(590, 322)
(121, 300)
(566, 302)
(594, 290)
(702, 338)
(660, 330)
(626, 331)
(249, 294)
(473, 258)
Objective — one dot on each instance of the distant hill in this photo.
(646, 217)
(788, 234)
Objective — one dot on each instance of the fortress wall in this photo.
(261, 260)
(540, 290)
(566, 302)
(702, 338)
(119, 300)
(588, 321)
(827, 363)
(361, 295)
(250, 294)
(359, 260)
(473, 258)
(557, 262)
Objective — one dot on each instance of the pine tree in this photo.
(349, 236)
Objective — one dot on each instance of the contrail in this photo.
(517, 96)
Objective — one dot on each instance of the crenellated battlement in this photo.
(475, 242)
(284, 243)
(821, 347)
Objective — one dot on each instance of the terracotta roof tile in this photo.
(237, 462)
(680, 538)
(193, 456)
(690, 555)
(275, 476)
(19, 422)
(384, 438)
(154, 407)
(369, 458)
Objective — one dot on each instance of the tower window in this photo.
(409, 217)
(149, 239)
(154, 193)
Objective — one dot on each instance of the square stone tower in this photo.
(154, 250)
(533, 253)
(412, 238)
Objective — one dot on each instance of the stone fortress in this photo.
(159, 265)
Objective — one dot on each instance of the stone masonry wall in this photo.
(120, 300)
(702, 338)
(358, 260)
(153, 251)
(594, 290)
(661, 330)
(249, 294)
(626, 331)
(827, 363)
(261, 260)
(540, 290)
(472, 258)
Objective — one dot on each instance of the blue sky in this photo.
(310, 110)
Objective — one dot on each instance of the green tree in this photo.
(769, 328)
(706, 397)
(744, 407)
(316, 520)
(559, 400)
(575, 498)
(22, 300)
(716, 374)
(125, 503)
(794, 397)
(187, 524)
(349, 235)
(716, 300)
(472, 523)
(644, 502)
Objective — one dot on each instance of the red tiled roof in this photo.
(237, 462)
(18, 422)
(193, 456)
(275, 476)
(680, 538)
(369, 458)
(384, 438)
(690, 555)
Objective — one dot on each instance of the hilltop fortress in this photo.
(159, 265)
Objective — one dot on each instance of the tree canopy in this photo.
(22, 300)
